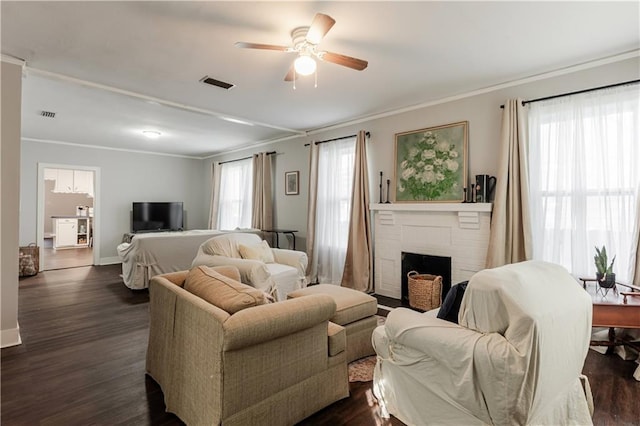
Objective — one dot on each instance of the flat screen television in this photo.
(157, 216)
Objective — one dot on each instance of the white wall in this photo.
(11, 80)
(482, 111)
(125, 177)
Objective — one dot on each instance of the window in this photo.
(336, 161)
(235, 195)
(584, 153)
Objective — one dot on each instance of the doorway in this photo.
(67, 216)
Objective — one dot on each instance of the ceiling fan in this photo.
(305, 42)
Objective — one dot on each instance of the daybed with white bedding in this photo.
(155, 253)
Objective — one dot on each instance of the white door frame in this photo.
(96, 206)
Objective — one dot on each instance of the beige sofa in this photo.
(272, 364)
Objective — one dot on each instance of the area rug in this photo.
(361, 370)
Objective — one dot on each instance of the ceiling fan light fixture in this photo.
(305, 65)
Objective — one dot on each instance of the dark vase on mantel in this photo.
(606, 282)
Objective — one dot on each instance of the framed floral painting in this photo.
(431, 164)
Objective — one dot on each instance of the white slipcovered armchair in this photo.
(281, 273)
(515, 358)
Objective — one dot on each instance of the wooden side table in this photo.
(614, 309)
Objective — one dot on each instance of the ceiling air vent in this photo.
(212, 81)
(48, 114)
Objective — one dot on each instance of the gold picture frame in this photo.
(431, 164)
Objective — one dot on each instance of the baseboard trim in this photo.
(385, 308)
(110, 260)
(10, 337)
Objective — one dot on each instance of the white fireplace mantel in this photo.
(468, 213)
(432, 207)
(456, 230)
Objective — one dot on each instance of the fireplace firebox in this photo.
(424, 264)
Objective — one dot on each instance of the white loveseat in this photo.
(285, 274)
(514, 359)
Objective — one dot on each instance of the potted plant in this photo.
(605, 276)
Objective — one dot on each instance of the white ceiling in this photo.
(150, 56)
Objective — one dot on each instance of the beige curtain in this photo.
(311, 211)
(215, 195)
(510, 239)
(357, 268)
(262, 214)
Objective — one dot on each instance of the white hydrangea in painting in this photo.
(430, 164)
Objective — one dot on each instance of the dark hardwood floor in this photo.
(82, 362)
(66, 258)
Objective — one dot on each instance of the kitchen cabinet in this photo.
(50, 174)
(64, 181)
(72, 232)
(66, 232)
(71, 181)
(83, 181)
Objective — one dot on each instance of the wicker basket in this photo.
(425, 290)
(29, 260)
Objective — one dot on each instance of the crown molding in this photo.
(108, 148)
(13, 60)
(542, 76)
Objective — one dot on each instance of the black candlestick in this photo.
(388, 183)
(380, 187)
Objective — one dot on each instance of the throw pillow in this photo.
(260, 252)
(221, 291)
(228, 271)
(451, 305)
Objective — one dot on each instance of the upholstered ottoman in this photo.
(355, 312)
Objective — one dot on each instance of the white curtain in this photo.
(333, 209)
(585, 176)
(234, 210)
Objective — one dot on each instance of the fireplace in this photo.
(457, 231)
(424, 264)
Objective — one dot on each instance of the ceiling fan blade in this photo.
(345, 61)
(319, 27)
(291, 75)
(244, 45)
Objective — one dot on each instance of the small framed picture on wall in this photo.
(291, 185)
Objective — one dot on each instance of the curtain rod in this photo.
(546, 98)
(367, 134)
(244, 158)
